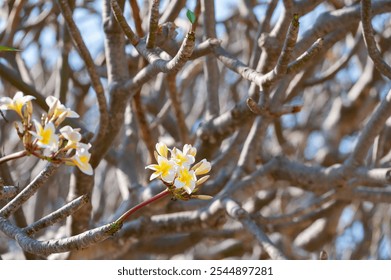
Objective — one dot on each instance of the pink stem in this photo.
(141, 205)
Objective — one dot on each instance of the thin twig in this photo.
(260, 110)
(29, 190)
(12, 156)
(145, 129)
(303, 211)
(238, 213)
(133, 38)
(172, 10)
(136, 17)
(335, 68)
(181, 57)
(90, 65)
(176, 105)
(369, 132)
(254, 76)
(286, 53)
(56, 216)
(128, 213)
(160, 65)
(302, 61)
(211, 69)
(153, 24)
(369, 39)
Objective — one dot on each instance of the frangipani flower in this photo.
(189, 150)
(176, 171)
(202, 167)
(72, 135)
(186, 179)
(57, 110)
(185, 158)
(161, 149)
(16, 104)
(46, 136)
(39, 137)
(81, 160)
(85, 146)
(165, 169)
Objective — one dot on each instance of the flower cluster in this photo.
(45, 139)
(175, 168)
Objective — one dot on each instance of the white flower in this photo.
(72, 135)
(16, 104)
(81, 145)
(165, 169)
(185, 158)
(81, 160)
(189, 150)
(46, 136)
(186, 179)
(162, 149)
(56, 109)
(202, 167)
(176, 170)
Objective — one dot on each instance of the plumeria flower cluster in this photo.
(178, 172)
(45, 139)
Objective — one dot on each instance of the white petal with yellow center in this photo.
(81, 160)
(182, 159)
(16, 104)
(72, 135)
(165, 169)
(186, 179)
(46, 136)
(189, 150)
(162, 149)
(56, 108)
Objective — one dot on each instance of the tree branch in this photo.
(369, 39)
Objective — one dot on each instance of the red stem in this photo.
(141, 205)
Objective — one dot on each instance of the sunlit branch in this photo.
(29, 190)
(153, 24)
(57, 216)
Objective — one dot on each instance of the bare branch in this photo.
(91, 68)
(153, 24)
(370, 131)
(238, 213)
(369, 39)
(28, 191)
(56, 216)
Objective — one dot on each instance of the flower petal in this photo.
(203, 168)
(162, 149)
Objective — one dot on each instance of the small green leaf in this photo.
(8, 49)
(191, 16)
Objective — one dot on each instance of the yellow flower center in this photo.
(185, 176)
(46, 136)
(180, 159)
(164, 168)
(84, 158)
(18, 107)
(58, 112)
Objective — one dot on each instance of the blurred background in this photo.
(337, 91)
